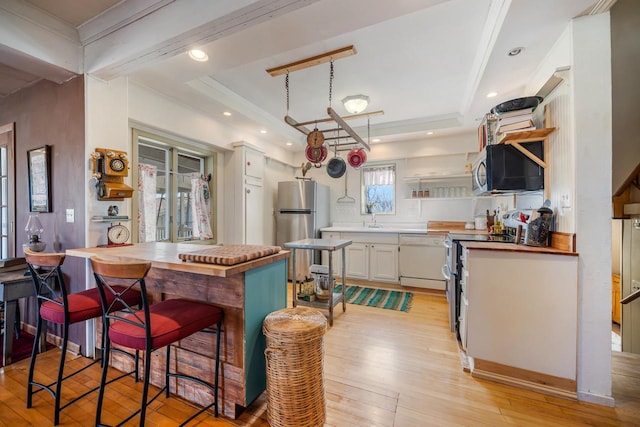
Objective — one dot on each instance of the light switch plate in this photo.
(70, 215)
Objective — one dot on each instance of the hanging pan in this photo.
(357, 157)
(336, 166)
(316, 155)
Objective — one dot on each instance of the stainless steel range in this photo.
(452, 269)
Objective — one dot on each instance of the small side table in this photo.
(329, 245)
(13, 286)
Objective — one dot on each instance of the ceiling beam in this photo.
(312, 61)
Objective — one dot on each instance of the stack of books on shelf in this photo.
(514, 121)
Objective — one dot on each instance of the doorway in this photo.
(7, 191)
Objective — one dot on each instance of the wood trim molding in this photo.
(53, 339)
(522, 378)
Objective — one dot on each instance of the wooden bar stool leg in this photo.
(216, 381)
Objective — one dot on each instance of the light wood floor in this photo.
(382, 368)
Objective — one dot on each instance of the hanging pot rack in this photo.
(333, 115)
(342, 126)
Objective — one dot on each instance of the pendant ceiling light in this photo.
(355, 104)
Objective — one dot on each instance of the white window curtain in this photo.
(200, 207)
(147, 175)
(383, 175)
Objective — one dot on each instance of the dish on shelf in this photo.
(517, 104)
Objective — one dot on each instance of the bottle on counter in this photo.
(497, 222)
(490, 219)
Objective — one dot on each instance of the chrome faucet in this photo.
(373, 218)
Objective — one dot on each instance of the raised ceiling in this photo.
(429, 64)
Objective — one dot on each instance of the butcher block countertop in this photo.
(166, 256)
(512, 247)
(446, 227)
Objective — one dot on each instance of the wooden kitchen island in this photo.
(247, 292)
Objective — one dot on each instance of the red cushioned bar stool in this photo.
(57, 305)
(154, 326)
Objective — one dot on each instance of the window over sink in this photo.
(378, 189)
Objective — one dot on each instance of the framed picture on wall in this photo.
(39, 164)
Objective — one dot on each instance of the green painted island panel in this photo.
(265, 292)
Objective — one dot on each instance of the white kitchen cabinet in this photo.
(253, 218)
(244, 196)
(357, 259)
(521, 318)
(383, 262)
(372, 256)
(253, 163)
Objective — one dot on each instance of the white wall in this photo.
(580, 168)
(437, 155)
(106, 127)
(113, 107)
(591, 71)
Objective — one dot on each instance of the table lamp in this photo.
(34, 231)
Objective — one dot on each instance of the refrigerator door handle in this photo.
(296, 211)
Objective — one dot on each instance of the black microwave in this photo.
(503, 168)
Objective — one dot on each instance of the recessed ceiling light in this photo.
(515, 51)
(430, 133)
(289, 144)
(263, 131)
(198, 55)
(226, 113)
(375, 140)
(492, 94)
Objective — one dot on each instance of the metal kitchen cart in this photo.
(329, 245)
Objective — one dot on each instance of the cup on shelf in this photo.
(420, 193)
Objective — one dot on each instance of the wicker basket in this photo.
(294, 355)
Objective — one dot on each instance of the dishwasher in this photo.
(421, 258)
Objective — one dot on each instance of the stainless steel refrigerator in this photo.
(630, 325)
(302, 210)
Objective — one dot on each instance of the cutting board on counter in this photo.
(230, 254)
